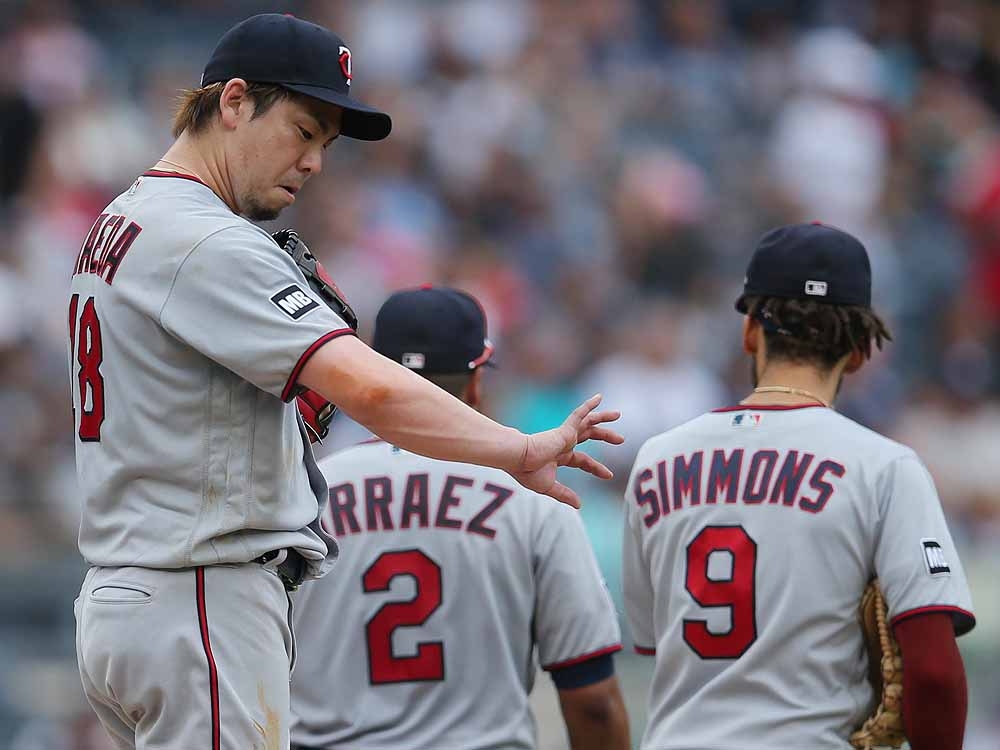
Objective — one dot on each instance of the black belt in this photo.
(291, 571)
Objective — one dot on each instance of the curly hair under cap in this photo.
(806, 331)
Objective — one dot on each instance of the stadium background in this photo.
(597, 172)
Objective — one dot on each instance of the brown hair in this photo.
(811, 332)
(196, 108)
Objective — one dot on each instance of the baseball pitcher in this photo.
(451, 578)
(752, 531)
(192, 331)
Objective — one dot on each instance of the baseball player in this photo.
(451, 576)
(752, 531)
(191, 333)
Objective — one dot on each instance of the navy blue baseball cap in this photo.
(809, 261)
(301, 56)
(433, 330)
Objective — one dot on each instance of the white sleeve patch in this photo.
(293, 302)
(934, 558)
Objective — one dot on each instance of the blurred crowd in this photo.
(597, 172)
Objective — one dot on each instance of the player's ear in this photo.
(854, 361)
(751, 335)
(474, 389)
(233, 102)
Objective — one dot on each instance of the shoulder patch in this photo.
(934, 558)
(294, 302)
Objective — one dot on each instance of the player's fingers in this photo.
(564, 494)
(589, 464)
(604, 435)
(580, 413)
(600, 417)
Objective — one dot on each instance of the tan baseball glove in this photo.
(884, 728)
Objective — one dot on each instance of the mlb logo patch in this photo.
(816, 288)
(293, 302)
(934, 558)
(413, 360)
(746, 419)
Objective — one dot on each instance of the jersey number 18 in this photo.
(89, 356)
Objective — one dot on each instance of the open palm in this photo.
(548, 450)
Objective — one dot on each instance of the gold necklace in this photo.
(789, 389)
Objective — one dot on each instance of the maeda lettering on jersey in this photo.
(934, 557)
(294, 302)
(106, 245)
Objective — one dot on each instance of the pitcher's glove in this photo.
(316, 410)
(884, 728)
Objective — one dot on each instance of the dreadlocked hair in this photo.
(811, 332)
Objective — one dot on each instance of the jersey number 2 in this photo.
(89, 356)
(384, 667)
(734, 589)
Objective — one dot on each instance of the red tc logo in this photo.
(345, 63)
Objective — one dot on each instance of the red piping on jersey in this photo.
(767, 407)
(213, 673)
(286, 393)
(947, 608)
(645, 651)
(585, 657)
(178, 175)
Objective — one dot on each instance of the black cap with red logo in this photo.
(301, 56)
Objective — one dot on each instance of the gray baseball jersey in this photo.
(188, 328)
(450, 575)
(750, 534)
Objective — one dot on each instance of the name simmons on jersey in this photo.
(786, 478)
(379, 504)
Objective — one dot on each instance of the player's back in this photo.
(750, 535)
(449, 574)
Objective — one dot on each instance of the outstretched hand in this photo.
(546, 451)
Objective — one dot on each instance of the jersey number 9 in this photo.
(735, 591)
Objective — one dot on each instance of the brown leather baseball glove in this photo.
(884, 728)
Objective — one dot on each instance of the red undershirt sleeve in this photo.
(935, 698)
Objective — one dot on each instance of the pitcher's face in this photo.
(277, 152)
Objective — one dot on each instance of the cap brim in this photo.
(741, 305)
(360, 121)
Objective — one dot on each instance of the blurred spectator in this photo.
(650, 377)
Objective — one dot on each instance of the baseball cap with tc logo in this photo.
(433, 331)
(812, 262)
(301, 56)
